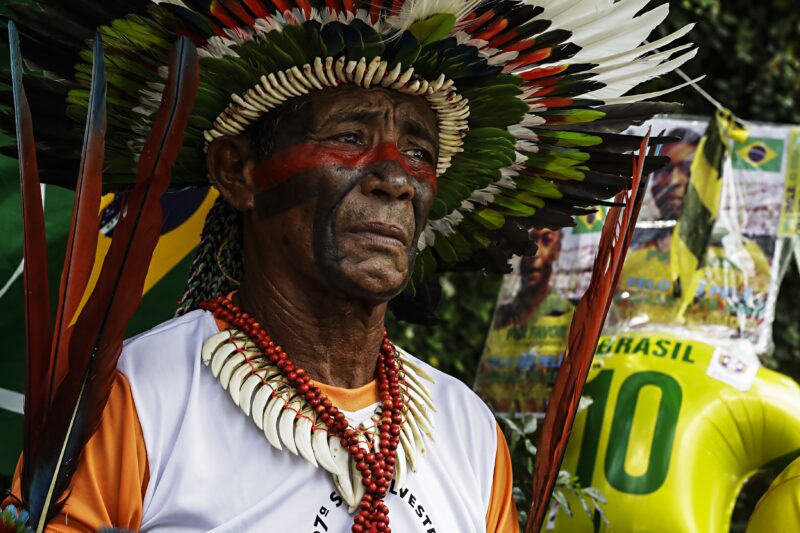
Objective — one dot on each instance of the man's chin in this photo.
(373, 282)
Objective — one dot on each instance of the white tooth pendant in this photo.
(342, 479)
(283, 413)
(400, 468)
(271, 414)
(221, 355)
(303, 429)
(286, 424)
(248, 389)
(322, 452)
(213, 344)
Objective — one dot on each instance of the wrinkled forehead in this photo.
(374, 105)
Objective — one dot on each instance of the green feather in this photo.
(489, 218)
(433, 28)
(512, 207)
(445, 250)
(568, 138)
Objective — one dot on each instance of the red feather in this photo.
(82, 239)
(34, 247)
(257, 7)
(587, 325)
(97, 339)
(234, 7)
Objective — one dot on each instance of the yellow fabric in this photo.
(501, 517)
(109, 485)
(779, 508)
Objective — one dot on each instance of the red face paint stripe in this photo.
(279, 167)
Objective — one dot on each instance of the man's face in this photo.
(536, 269)
(670, 183)
(347, 189)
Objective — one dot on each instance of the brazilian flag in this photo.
(184, 214)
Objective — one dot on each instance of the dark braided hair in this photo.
(217, 265)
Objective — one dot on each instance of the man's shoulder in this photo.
(168, 350)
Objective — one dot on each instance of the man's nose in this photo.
(388, 179)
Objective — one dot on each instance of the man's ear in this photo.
(230, 164)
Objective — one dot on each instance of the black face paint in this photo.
(324, 235)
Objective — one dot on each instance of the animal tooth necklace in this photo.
(376, 469)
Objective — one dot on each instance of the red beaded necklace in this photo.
(377, 469)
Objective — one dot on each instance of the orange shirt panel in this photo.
(109, 485)
(502, 514)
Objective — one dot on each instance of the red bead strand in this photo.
(377, 469)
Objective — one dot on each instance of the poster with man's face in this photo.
(528, 335)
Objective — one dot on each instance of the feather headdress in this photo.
(529, 93)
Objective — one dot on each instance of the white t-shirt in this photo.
(191, 460)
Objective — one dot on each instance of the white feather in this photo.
(630, 55)
(606, 69)
(647, 96)
(621, 81)
(607, 40)
(619, 13)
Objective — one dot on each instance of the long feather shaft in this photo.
(51, 489)
(96, 343)
(37, 297)
(82, 239)
(588, 320)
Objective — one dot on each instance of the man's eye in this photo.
(417, 154)
(348, 138)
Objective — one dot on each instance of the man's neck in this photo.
(334, 338)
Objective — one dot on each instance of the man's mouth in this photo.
(381, 233)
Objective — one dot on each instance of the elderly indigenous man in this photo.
(366, 147)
